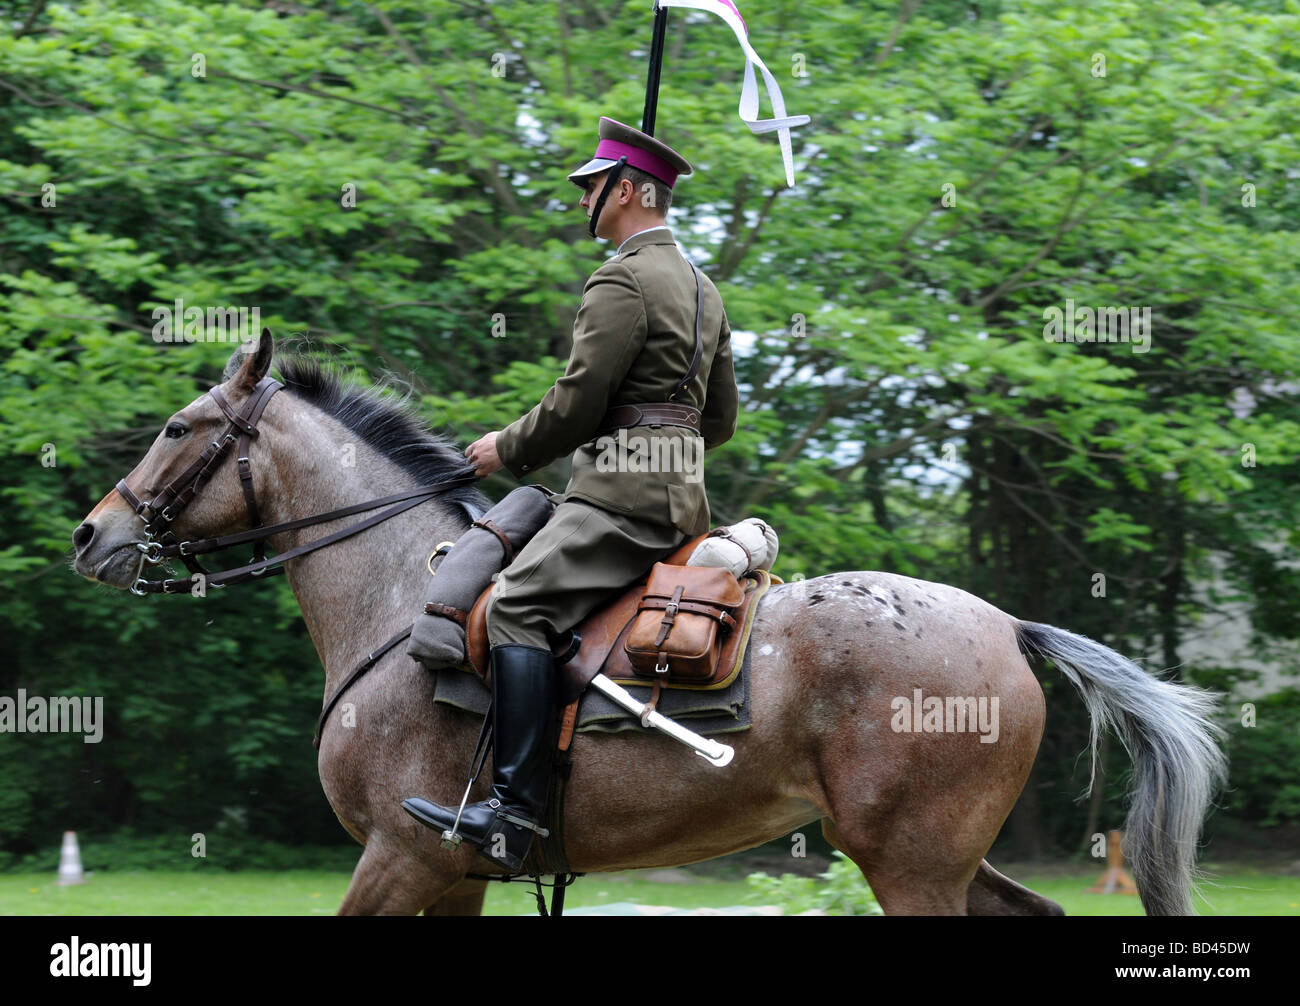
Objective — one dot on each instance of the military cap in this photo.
(641, 150)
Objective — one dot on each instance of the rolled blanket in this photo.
(489, 546)
(741, 548)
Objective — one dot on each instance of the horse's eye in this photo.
(175, 431)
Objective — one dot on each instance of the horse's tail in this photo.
(1174, 746)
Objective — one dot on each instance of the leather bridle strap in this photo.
(242, 573)
(365, 665)
(202, 546)
(164, 508)
(247, 424)
(160, 512)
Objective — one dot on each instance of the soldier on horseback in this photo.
(650, 376)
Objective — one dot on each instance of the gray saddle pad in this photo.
(720, 711)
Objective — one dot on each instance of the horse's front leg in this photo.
(466, 898)
(390, 880)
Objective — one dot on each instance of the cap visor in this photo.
(593, 167)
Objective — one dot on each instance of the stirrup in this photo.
(495, 804)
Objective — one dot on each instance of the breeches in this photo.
(578, 560)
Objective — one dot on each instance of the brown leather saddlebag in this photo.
(681, 621)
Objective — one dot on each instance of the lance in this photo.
(656, 66)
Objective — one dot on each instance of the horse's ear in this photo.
(249, 363)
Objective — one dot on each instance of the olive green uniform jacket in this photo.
(633, 340)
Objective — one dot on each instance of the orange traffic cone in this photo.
(70, 861)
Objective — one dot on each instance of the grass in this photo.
(1234, 889)
(1227, 889)
(158, 892)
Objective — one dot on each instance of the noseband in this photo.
(160, 512)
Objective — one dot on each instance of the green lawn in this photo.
(1228, 889)
(1234, 890)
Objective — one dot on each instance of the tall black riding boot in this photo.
(502, 827)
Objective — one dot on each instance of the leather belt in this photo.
(651, 414)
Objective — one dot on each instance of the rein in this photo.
(159, 513)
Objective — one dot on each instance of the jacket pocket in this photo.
(688, 507)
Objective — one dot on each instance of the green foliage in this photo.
(1265, 759)
(227, 850)
(840, 890)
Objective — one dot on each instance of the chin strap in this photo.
(614, 172)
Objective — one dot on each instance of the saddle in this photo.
(599, 638)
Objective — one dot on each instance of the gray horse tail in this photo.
(1174, 746)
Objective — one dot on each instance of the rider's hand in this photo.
(482, 454)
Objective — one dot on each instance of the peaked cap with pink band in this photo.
(641, 150)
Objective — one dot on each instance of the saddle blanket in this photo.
(718, 711)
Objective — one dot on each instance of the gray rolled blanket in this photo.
(438, 636)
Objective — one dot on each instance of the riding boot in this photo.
(502, 827)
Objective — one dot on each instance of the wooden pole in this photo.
(1115, 880)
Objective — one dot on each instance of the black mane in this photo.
(389, 425)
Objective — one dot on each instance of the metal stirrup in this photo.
(495, 804)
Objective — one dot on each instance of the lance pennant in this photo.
(780, 123)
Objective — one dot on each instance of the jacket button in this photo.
(524, 468)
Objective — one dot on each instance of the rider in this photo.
(637, 490)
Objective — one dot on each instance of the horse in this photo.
(846, 669)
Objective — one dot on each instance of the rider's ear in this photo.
(247, 367)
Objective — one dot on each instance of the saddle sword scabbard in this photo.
(710, 750)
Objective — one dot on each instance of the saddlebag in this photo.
(681, 621)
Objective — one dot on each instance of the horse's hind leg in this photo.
(900, 888)
(993, 894)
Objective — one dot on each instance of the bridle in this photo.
(161, 512)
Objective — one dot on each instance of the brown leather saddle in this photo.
(602, 634)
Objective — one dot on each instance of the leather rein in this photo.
(160, 512)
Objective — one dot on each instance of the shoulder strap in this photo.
(699, 346)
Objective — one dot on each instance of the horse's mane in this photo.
(388, 423)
